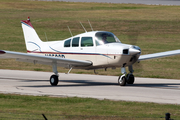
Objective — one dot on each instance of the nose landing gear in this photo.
(130, 78)
(126, 78)
(122, 80)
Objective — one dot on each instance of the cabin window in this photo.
(86, 41)
(67, 43)
(75, 42)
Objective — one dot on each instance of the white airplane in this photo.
(89, 50)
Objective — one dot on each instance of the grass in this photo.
(152, 28)
(31, 107)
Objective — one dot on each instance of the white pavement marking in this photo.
(90, 86)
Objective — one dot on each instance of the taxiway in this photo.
(90, 86)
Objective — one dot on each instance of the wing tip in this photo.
(2, 52)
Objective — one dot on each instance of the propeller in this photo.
(132, 33)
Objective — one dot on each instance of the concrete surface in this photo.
(147, 2)
(90, 86)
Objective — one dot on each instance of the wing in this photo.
(159, 55)
(25, 57)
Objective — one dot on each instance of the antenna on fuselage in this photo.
(83, 27)
(90, 25)
(70, 31)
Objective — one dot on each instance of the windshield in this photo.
(105, 37)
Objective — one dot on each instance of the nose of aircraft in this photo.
(134, 50)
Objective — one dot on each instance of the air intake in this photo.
(125, 51)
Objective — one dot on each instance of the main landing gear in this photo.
(126, 78)
(54, 79)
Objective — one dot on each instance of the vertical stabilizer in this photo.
(32, 40)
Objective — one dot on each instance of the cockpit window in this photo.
(105, 37)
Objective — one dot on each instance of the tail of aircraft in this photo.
(32, 40)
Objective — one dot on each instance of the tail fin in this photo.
(32, 40)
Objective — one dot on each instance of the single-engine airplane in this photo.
(89, 50)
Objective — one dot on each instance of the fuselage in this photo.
(90, 46)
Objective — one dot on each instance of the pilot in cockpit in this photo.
(104, 38)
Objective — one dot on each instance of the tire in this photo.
(130, 78)
(122, 80)
(54, 80)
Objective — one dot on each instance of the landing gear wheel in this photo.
(54, 80)
(130, 79)
(122, 80)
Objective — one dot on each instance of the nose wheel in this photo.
(126, 78)
(129, 79)
(122, 80)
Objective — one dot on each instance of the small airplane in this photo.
(90, 50)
